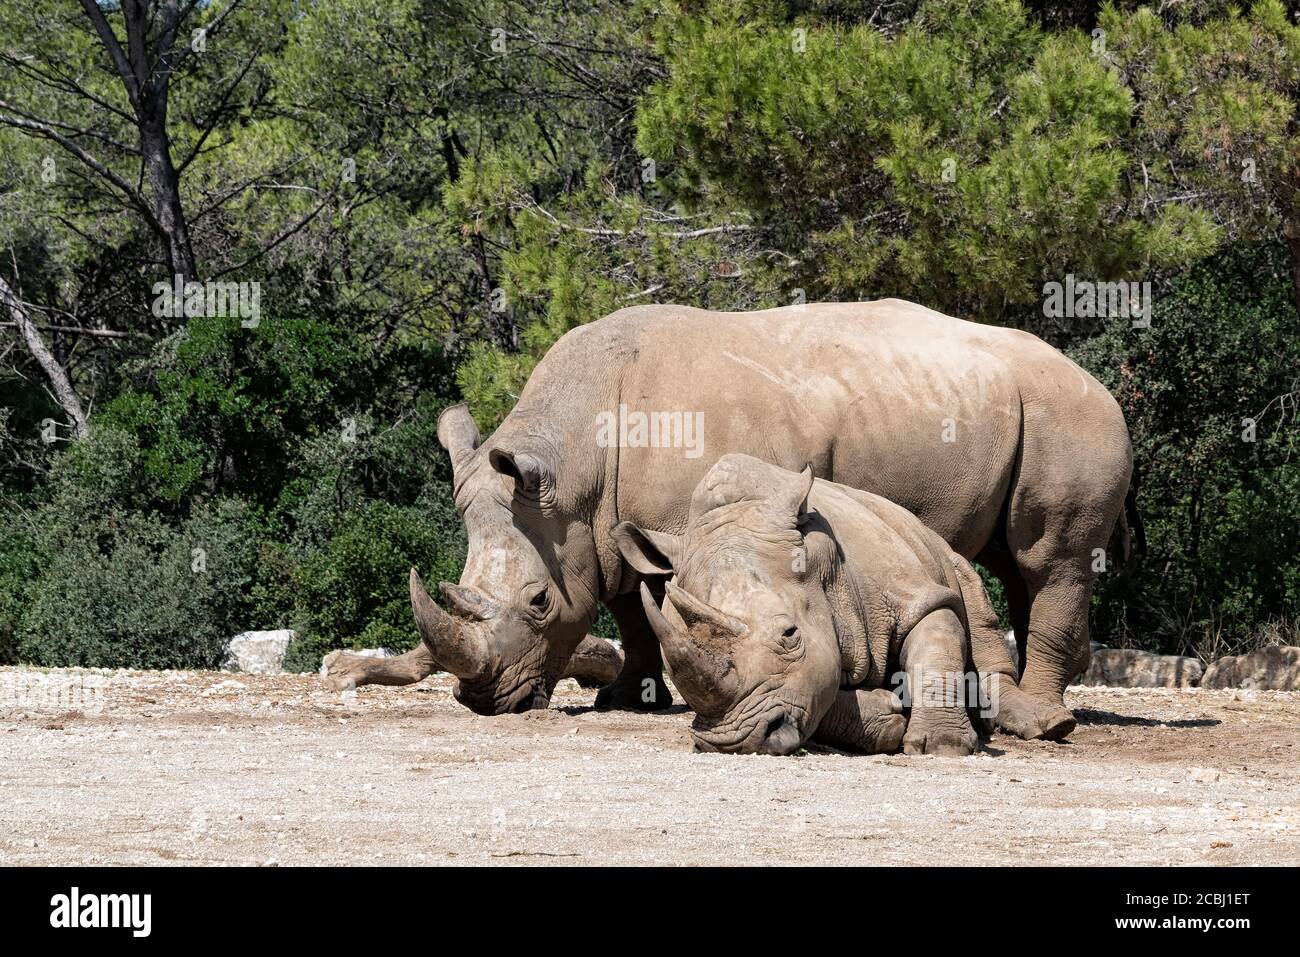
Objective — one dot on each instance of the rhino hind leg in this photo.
(640, 684)
(342, 670)
(1014, 711)
(1068, 493)
(871, 722)
(1058, 647)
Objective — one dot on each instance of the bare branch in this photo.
(63, 391)
(676, 234)
(36, 128)
(69, 128)
(79, 330)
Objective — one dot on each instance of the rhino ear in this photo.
(793, 496)
(458, 433)
(650, 553)
(532, 475)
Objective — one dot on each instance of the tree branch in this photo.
(69, 128)
(63, 391)
(115, 52)
(36, 128)
(672, 234)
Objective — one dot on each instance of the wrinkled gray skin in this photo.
(796, 602)
(998, 442)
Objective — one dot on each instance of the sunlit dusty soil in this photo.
(196, 767)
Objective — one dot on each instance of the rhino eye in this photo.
(790, 635)
(538, 600)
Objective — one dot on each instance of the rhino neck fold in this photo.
(851, 629)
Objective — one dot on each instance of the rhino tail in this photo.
(1128, 540)
(1132, 519)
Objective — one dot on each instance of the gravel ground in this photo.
(210, 768)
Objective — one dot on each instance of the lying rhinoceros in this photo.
(793, 599)
(995, 440)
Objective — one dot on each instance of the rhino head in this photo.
(527, 594)
(746, 627)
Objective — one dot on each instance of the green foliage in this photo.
(109, 584)
(17, 569)
(280, 476)
(353, 591)
(1215, 100)
(428, 211)
(1217, 496)
(961, 163)
(221, 406)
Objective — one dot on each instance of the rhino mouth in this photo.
(775, 728)
(485, 698)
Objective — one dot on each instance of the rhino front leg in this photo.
(342, 670)
(859, 720)
(934, 658)
(595, 662)
(640, 685)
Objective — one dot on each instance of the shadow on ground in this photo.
(1091, 716)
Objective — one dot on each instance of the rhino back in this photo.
(890, 397)
(921, 408)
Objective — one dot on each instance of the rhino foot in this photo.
(341, 671)
(883, 733)
(946, 732)
(1029, 717)
(868, 721)
(595, 663)
(634, 693)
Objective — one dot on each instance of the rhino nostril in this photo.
(773, 726)
(781, 736)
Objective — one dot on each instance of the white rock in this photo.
(221, 686)
(258, 652)
(1276, 668)
(1129, 668)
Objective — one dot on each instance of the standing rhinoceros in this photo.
(998, 442)
(795, 602)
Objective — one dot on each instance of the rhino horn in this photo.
(695, 612)
(457, 646)
(468, 603)
(704, 678)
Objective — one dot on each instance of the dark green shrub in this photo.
(111, 584)
(352, 591)
(1220, 511)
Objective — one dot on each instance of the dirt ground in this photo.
(194, 767)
